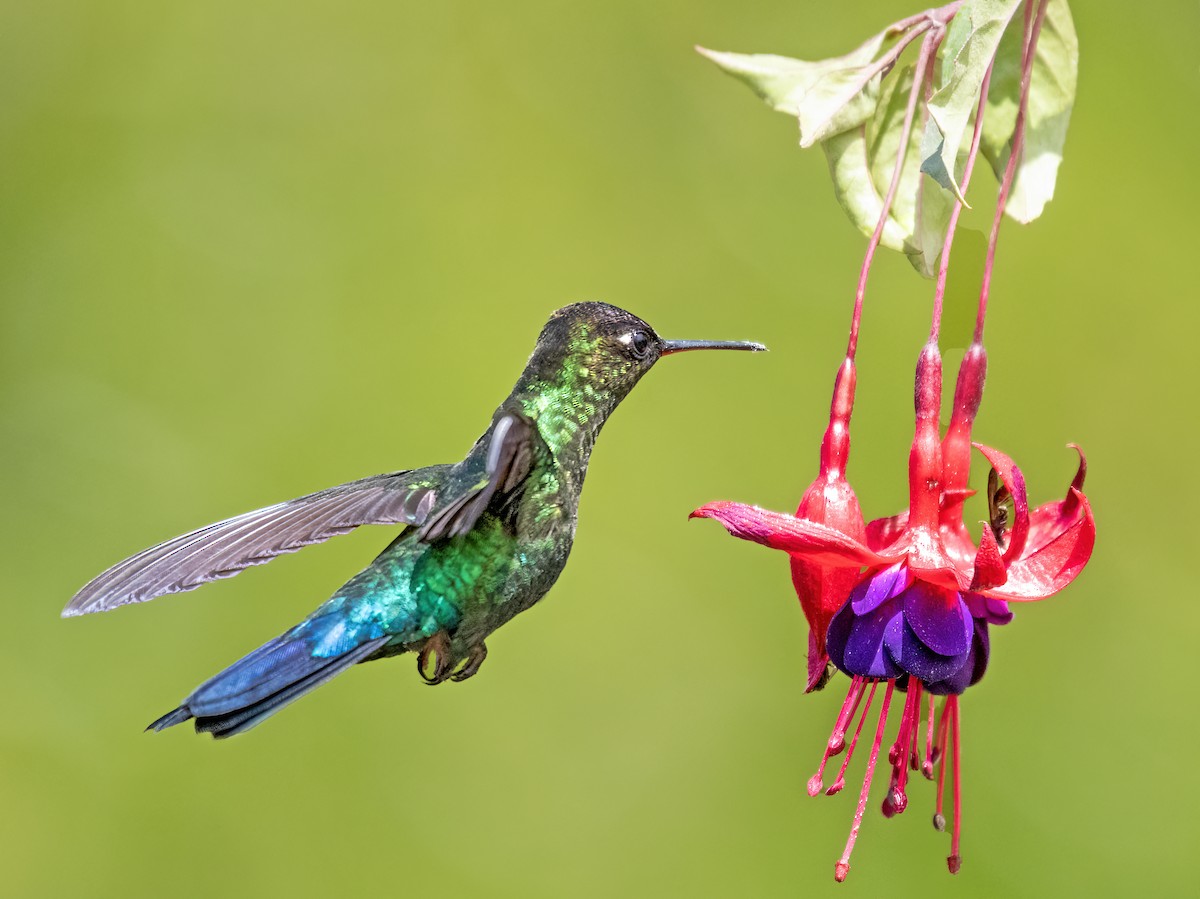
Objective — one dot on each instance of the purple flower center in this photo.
(893, 625)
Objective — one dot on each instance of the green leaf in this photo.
(829, 96)
(970, 44)
(1051, 97)
(855, 188)
(934, 207)
(861, 162)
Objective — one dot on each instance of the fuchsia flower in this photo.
(919, 594)
(906, 602)
(830, 501)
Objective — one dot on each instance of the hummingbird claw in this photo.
(472, 664)
(436, 651)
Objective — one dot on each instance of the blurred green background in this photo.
(252, 250)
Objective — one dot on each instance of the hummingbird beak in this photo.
(682, 346)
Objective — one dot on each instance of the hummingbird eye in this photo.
(638, 343)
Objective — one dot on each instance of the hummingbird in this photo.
(483, 539)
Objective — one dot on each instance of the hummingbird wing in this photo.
(469, 491)
(228, 547)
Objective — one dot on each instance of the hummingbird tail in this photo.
(259, 685)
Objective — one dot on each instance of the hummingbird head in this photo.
(604, 349)
(590, 355)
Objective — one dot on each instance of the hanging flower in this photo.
(830, 501)
(906, 603)
(917, 616)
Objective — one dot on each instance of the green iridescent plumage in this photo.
(484, 539)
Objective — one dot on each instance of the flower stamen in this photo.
(940, 756)
(927, 764)
(837, 739)
(842, 868)
(840, 781)
(914, 748)
(895, 800)
(954, 861)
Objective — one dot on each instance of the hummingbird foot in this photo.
(473, 663)
(433, 662)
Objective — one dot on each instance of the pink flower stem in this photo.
(928, 48)
(911, 28)
(968, 391)
(939, 293)
(835, 448)
(941, 16)
(932, 23)
(884, 63)
(1014, 158)
(842, 868)
(925, 455)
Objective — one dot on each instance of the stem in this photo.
(885, 62)
(928, 48)
(915, 25)
(939, 293)
(1010, 170)
(932, 23)
(941, 16)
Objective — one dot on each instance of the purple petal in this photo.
(957, 682)
(914, 657)
(876, 589)
(998, 612)
(836, 636)
(972, 671)
(864, 653)
(981, 648)
(993, 611)
(939, 618)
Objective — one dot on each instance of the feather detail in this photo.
(253, 689)
(508, 462)
(229, 547)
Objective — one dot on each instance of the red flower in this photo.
(1045, 549)
(914, 596)
(829, 501)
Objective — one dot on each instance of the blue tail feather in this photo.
(260, 684)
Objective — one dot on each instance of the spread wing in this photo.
(501, 476)
(228, 547)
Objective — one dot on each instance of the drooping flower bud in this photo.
(831, 501)
(925, 457)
